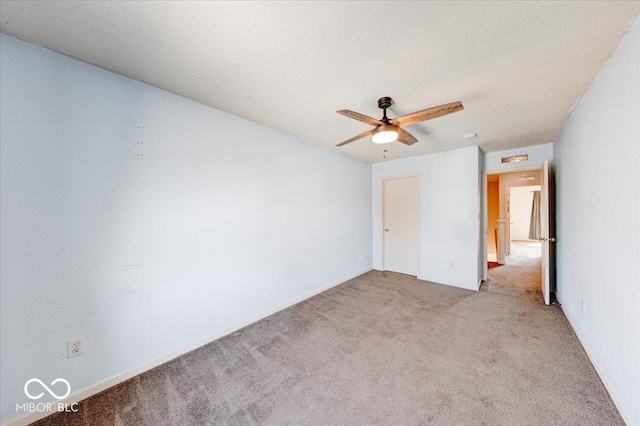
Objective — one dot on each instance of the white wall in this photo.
(449, 206)
(139, 219)
(492, 161)
(597, 169)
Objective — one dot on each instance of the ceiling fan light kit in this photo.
(385, 134)
(390, 130)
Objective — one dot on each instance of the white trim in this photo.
(485, 207)
(532, 168)
(622, 409)
(485, 228)
(91, 390)
(472, 288)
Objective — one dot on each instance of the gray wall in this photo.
(597, 169)
(151, 224)
(449, 214)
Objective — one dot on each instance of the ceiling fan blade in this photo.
(355, 138)
(360, 117)
(406, 137)
(427, 114)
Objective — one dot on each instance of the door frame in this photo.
(382, 213)
(548, 287)
(514, 223)
(485, 206)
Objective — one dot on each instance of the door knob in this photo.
(550, 239)
(386, 229)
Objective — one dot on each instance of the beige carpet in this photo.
(383, 348)
(522, 269)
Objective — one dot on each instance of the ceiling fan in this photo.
(390, 130)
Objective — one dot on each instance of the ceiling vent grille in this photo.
(515, 158)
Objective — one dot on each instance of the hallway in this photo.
(522, 269)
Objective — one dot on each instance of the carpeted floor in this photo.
(383, 348)
(522, 269)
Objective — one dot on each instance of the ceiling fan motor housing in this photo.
(385, 102)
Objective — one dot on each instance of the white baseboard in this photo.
(624, 413)
(119, 378)
(471, 287)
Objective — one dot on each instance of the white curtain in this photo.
(534, 224)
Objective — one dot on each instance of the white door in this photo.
(545, 221)
(400, 223)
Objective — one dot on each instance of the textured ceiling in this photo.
(519, 68)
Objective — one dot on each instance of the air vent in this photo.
(515, 158)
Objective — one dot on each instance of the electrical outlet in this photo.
(75, 347)
(582, 307)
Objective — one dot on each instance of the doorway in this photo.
(513, 214)
(400, 221)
